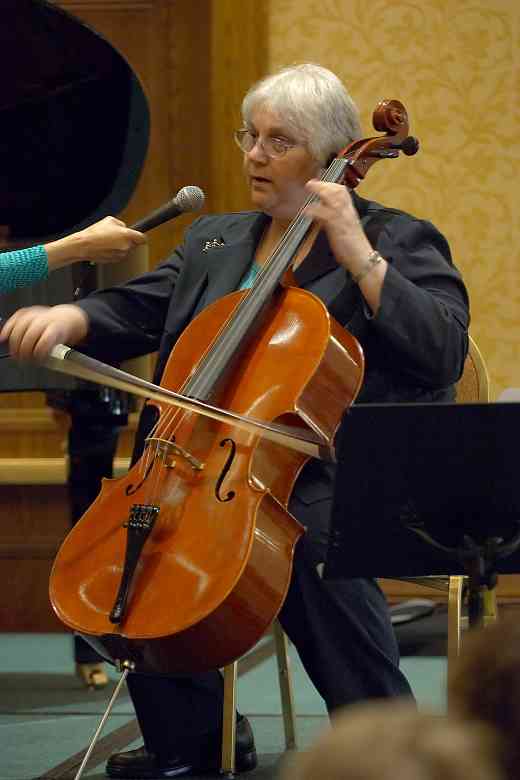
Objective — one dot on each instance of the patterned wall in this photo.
(456, 67)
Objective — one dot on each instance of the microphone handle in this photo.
(162, 214)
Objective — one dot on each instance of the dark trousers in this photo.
(341, 629)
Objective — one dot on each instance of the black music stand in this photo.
(428, 489)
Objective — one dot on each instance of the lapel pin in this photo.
(213, 244)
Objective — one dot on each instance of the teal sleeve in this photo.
(22, 268)
(249, 277)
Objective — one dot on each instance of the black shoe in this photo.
(205, 757)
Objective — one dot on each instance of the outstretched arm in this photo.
(106, 241)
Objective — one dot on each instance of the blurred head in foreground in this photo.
(485, 684)
(390, 740)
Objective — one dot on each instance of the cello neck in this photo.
(282, 257)
(249, 311)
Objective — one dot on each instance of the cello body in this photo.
(215, 568)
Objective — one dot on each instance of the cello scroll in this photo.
(391, 117)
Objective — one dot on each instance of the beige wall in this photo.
(456, 67)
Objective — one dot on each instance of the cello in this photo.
(181, 565)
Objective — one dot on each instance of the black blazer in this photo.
(414, 347)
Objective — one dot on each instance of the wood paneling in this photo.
(35, 517)
(239, 46)
(195, 60)
(34, 521)
(139, 31)
(44, 471)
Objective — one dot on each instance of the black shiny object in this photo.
(74, 133)
(200, 755)
(72, 113)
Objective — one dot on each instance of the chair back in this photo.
(473, 386)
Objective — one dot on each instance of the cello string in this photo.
(163, 428)
(205, 368)
(152, 485)
(204, 374)
(167, 419)
(262, 282)
(171, 418)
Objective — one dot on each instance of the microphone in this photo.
(189, 198)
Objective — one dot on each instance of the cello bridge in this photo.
(166, 449)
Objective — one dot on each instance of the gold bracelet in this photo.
(372, 260)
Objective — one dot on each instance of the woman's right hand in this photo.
(32, 332)
(106, 241)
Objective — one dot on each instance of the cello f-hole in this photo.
(131, 489)
(227, 466)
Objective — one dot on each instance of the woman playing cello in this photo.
(386, 276)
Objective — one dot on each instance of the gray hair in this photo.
(313, 102)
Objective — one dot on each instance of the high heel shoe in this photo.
(92, 675)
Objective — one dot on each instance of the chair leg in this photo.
(286, 688)
(490, 606)
(454, 618)
(229, 720)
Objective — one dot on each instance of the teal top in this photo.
(249, 277)
(22, 267)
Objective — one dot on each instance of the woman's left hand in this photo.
(335, 211)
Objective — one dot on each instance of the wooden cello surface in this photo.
(215, 569)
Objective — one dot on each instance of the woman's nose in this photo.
(258, 151)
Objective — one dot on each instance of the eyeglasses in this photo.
(272, 147)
